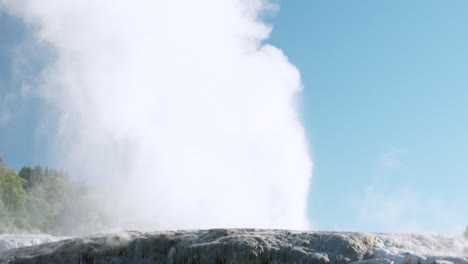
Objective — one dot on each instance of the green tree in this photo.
(33, 176)
(12, 192)
(13, 215)
(45, 200)
(26, 173)
(466, 232)
(37, 176)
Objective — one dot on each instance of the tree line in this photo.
(45, 200)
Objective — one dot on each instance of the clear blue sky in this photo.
(385, 108)
(21, 142)
(384, 105)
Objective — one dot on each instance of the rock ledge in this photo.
(245, 246)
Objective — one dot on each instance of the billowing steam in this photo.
(176, 109)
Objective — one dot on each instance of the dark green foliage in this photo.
(26, 174)
(33, 176)
(43, 200)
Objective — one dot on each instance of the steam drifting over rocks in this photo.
(8, 242)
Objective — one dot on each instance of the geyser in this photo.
(177, 110)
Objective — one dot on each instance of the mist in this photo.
(178, 113)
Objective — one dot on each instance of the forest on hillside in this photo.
(45, 200)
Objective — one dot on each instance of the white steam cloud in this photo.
(177, 109)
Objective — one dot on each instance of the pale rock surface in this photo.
(8, 241)
(245, 246)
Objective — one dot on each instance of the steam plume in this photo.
(177, 109)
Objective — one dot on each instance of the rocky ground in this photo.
(244, 246)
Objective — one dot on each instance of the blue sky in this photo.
(19, 115)
(384, 106)
(385, 109)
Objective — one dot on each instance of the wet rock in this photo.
(244, 246)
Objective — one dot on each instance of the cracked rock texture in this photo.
(245, 246)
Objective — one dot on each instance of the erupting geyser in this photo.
(177, 109)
